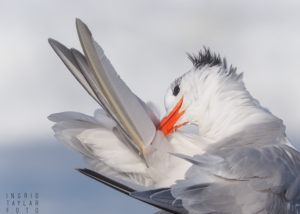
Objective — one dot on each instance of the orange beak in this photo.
(167, 124)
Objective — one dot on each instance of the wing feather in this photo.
(103, 150)
(261, 179)
(68, 59)
(124, 103)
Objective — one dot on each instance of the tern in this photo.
(239, 162)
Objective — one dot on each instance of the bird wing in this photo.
(135, 121)
(123, 102)
(245, 179)
(69, 60)
(261, 179)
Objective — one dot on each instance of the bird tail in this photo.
(154, 197)
(107, 181)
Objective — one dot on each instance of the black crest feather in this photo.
(206, 58)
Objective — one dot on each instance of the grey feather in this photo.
(134, 120)
(250, 180)
(161, 198)
(90, 78)
(78, 66)
(68, 59)
(124, 103)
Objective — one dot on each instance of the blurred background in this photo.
(147, 42)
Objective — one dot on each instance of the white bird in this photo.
(240, 162)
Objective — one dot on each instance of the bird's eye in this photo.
(176, 90)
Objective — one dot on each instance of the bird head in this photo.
(210, 96)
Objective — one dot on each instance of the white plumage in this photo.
(105, 153)
(240, 161)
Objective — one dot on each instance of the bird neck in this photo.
(232, 112)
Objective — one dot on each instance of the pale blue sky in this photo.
(147, 42)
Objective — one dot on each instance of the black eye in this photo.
(176, 90)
